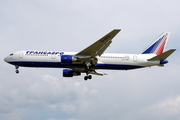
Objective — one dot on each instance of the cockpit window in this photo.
(11, 54)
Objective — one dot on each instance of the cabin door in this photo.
(135, 58)
(21, 55)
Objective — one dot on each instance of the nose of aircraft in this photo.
(6, 59)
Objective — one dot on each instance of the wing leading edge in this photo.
(97, 48)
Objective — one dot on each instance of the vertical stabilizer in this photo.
(158, 46)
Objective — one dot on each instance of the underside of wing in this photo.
(81, 70)
(97, 73)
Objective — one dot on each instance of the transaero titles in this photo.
(43, 53)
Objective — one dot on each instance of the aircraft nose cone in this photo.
(6, 59)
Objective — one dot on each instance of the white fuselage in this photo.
(93, 57)
(105, 61)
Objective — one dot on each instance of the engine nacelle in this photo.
(70, 73)
(68, 59)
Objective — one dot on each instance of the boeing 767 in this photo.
(93, 57)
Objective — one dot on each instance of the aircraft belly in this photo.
(117, 66)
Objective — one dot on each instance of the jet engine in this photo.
(68, 59)
(70, 73)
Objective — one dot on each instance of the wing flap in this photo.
(97, 73)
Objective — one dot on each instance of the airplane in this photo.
(93, 57)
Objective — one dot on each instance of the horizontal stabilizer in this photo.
(162, 56)
(161, 65)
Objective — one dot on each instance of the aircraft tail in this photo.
(162, 56)
(158, 46)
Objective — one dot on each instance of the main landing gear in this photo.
(87, 77)
(88, 70)
(16, 67)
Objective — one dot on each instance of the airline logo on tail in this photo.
(158, 46)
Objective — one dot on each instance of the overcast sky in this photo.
(71, 25)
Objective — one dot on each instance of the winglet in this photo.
(158, 46)
(162, 56)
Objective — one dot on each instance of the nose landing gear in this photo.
(16, 67)
(17, 71)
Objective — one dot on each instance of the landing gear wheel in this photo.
(16, 67)
(90, 76)
(17, 71)
(85, 77)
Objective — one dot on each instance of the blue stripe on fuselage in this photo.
(60, 65)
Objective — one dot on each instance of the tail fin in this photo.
(158, 46)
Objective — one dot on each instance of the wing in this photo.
(81, 70)
(88, 56)
(99, 46)
(97, 73)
